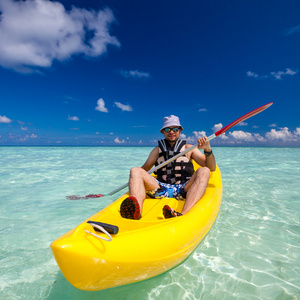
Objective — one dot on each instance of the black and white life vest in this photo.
(179, 170)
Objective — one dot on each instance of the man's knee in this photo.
(203, 172)
(135, 170)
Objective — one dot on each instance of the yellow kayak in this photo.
(142, 248)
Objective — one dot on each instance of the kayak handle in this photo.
(101, 229)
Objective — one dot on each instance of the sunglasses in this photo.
(168, 129)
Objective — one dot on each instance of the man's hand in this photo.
(204, 144)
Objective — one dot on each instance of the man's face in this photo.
(172, 133)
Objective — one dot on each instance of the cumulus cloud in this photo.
(74, 118)
(259, 138)
(22, 138)
(252, 74)
(242, 135)
(135, 74)
(277, 75)
(202, 109)
(193, 139)
(118, 141)
(4, 119)
(283, 134)
(280, 137)
(217, 127)
(101, 105)
(199, 134)
(123, 107)
(28, 136)
(34, 33)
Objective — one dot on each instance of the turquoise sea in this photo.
(251, 252)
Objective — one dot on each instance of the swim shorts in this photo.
(168, 190)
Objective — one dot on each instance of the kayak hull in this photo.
(143, 248)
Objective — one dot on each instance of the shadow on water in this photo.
(62, 289)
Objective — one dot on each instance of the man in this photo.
(177, 179)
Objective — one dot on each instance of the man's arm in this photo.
(152, 158)
(201, 159)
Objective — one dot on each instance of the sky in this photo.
(103, 73)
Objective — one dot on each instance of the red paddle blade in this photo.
(243, 118)
(76, 197)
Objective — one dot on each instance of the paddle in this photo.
(219, 132)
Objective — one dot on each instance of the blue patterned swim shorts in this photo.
(168, 190)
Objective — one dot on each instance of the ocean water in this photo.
(251, 252)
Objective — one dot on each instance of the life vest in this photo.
(179, 170)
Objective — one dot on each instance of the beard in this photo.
(171, 139)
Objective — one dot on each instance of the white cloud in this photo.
(259, 138)
(275, 137)
(101, 105)
(74, 118)
(4, 119)
(252, 74)
(199, 134)
(116, 140)
(217, 127)
(242, 135)
(273, 125)
(22, 138)
(278, 75)
(243, 124)
(123, 107)
(33, 33)
(135, 74)
(202, 109)
(193, 139)
(223, 136)
(182, 136)
(283, 134)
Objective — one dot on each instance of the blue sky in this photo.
(89, 72)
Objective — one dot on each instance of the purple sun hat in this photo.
(171, 121)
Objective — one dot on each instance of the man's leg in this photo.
(195, 188)
(141, 181)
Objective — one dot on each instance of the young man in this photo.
(177, 179)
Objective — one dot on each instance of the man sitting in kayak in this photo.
(177, 179)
